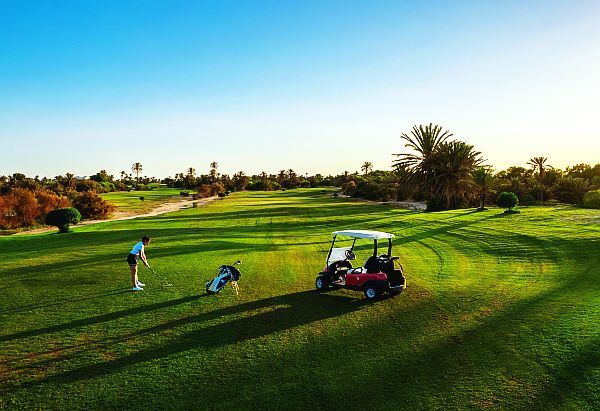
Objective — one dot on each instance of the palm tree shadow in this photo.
(98, 319)
(91, 296)
(253, 320)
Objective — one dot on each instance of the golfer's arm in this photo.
(143, 257)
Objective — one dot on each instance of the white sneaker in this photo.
(137, 288)
(141, 284)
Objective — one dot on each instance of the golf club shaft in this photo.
(154, 272)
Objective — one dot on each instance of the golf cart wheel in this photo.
(321, 283)
(371, 292)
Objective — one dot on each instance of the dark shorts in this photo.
(131, 259)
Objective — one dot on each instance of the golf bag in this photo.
(227, 273)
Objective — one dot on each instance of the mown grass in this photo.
(129, 201)
(502, 311)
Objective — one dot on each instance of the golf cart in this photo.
(380, 273)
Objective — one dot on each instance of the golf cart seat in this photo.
(372, 265)
(386, 264)
(339, 269)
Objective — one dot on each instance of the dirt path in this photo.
(122, 215)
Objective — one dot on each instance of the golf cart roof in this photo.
(374, 235)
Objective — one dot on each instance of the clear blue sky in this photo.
(317, 86)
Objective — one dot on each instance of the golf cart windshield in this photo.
(338, 254)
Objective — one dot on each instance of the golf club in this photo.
(164, 283)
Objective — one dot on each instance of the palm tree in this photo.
(425, 141)
(191, 172)
(485, 182)
(70, 180)
(452, 165)
(281, 177)
(213, 171)
(539, 164)
(366, 167)
(573, 188)
(137, 169)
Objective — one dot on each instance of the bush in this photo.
(349, 188)
(435, 204)
(87, 185)
(184, 193)
(142, 198)
(108, 187)
(62, 218)
(48, 201)
(591, 199)
(25, 207)
(92, 206)
(6, 211)
(507, 199)
(528, 200)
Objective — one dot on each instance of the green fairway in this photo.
(129, 201)
(501, 311)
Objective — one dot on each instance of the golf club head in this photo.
(237, 262)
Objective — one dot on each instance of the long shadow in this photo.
(96, 320)
(569, 380)
(422, 235)
(36, 306)
(473, 351)
(274, 314)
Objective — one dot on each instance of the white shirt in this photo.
(137, 248)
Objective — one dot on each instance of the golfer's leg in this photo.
(133, 275)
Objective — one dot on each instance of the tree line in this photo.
(448, 173)
(436, 168)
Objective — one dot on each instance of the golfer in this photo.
(138, 249)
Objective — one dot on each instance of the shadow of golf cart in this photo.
(380, 274)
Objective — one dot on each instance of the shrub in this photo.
(184, 193)
(142, 198)
(62, 218)
(6, 211)
(217, 188)
(507, 199)
(108, 187)
(528, 200)
(92, 206)
(591, 199)
(435, 204)
(48, 201)
(203, 191)
(25, 207)
(87, 185)
(349, 188)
